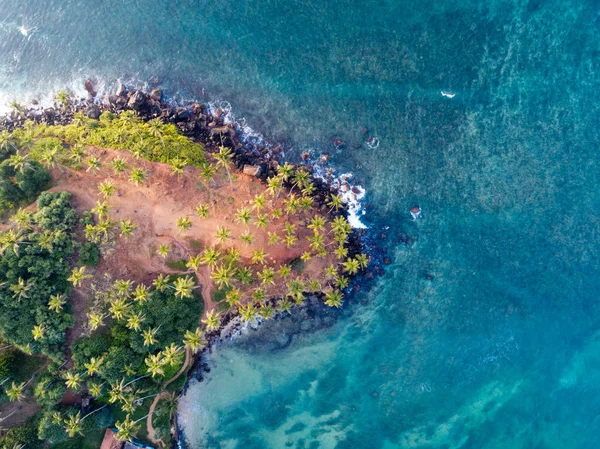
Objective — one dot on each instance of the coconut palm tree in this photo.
(341, 282)
(261, 221)
(333, 299)
(247, 238)
(161, 283)
(93, 164)
(95, 320)
(119, 308)
(284, 171)
(21, 289)
(244, 275)
(93, 366)
(275, 186)
(73, 380)
(284, 271)
(307, 192)
(210, 256)
(222, 275)
(184, 224)
(15, 392)
(363, 260)
(248, 312)
(292, 204)
(194, 341)
(50, 157)
(290, 240)
(141, 294)
(155, 129)
(127, 228)
(224, 158)
(296, 288)
(149, 336)
(233, 297)
(351, 266)
(259, 202)
(277, 213)
(267, 276)
(23, 218)
(243, 215)
(212, 320)
(135, 321)
(339, 225)
(335, 202)
(155, 364)
(232, 257)
(57, 302)
(172, 354)
(12, 239)
(317, 242)
(137, 176)
(273, 238)
(122, 287)
(300, 179)
(183, 287)
(95, 389)
(305, 257)
(223, 234)
(118, 165)
(163, 250)
(259, 256)
(266, 311)
(7, 142)
(285, 305)
(259, 294)
(177, 166)
(313, 286)
(193, 262)
(101, 209)
(202, 210)
(73, 425)
(317, 223)
(126, 429)
(331, 272)
(340, 252)
(208, 172)
(107, 188)
(19, 162)
(38, 332)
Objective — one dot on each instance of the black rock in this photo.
(93, 112)
(137, 101)
(181, 114)
(89, 87)
(156, 94)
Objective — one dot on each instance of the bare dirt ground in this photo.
(155, 206)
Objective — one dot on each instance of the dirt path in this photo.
(207, 289)
(164, 393)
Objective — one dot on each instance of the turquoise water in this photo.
(501, 348)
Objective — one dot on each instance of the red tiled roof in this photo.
(110, 442)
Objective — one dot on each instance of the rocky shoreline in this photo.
(210, 127)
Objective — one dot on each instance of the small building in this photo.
(110, 442)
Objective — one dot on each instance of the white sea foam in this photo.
(448, 94)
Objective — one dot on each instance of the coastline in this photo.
(201, 123)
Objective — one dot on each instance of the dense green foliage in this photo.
(89, 254)
(33, 267)
(19, 187)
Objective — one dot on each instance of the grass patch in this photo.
(196, 245)
(91, 440)
(297, 265)
(162, 423)
(178, 265)
(220, 294)
(25, 365)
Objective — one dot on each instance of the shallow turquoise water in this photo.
(501, 349)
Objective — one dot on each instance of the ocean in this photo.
(484, 331)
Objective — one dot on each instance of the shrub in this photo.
(89, 254)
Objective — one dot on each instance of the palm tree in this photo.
(339, 225)
(183, 224)
(233, 297)
(208, 173)
(259, 294)
(95, 389)
(73, 425)
(295, 288)
(161, 283)
(317, 223)
(149, 336)
(351, 266)
(15, 392)
(363, 260)
(301, 179)
(333, 299)
(233, 256)
(341, 282)
(222, 276)
(119, 165)
(194, 341)
(95, 320)
(20, 289)
(202, 210)
(273, 238)
(259, 202)
(135, 321)
(275, 186)
(12, 239)
(63, 98)
(93, 164)
(317, 242)
(259, 256)
(23, 218)
(266, 311)
(7, 142)
(292, 204)
(93, 366)
(335, 202)
(57, 302)
(243, 215)
(267, 276)
(19, 162)
(122, 287)
(223, 234)
(163, 250)
(247, 238)
(248, 312)
(285, 305)
(127, 228)
(261, 221)
(224, 157)
(210, 256)
(284, 171)
(172, 354)
(119, 308)
(141, 294)
(177, 166)
(49, 157)
(193, 262)
(154, 127)
(314, 286)
(101, 209)
(277, 213)
(155, 364)
(284, 271)
(212, 320)
(331, 272)
(305, 257)
(38, 332)
(78, 276)
(138, 176)
(107, 188)
(290, 240)
(183, 287)
(126, 429)
(73, 380)
(244, 275)
(340, 252)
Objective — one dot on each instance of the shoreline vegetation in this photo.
(135, 234)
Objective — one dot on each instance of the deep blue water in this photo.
(501, 348)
